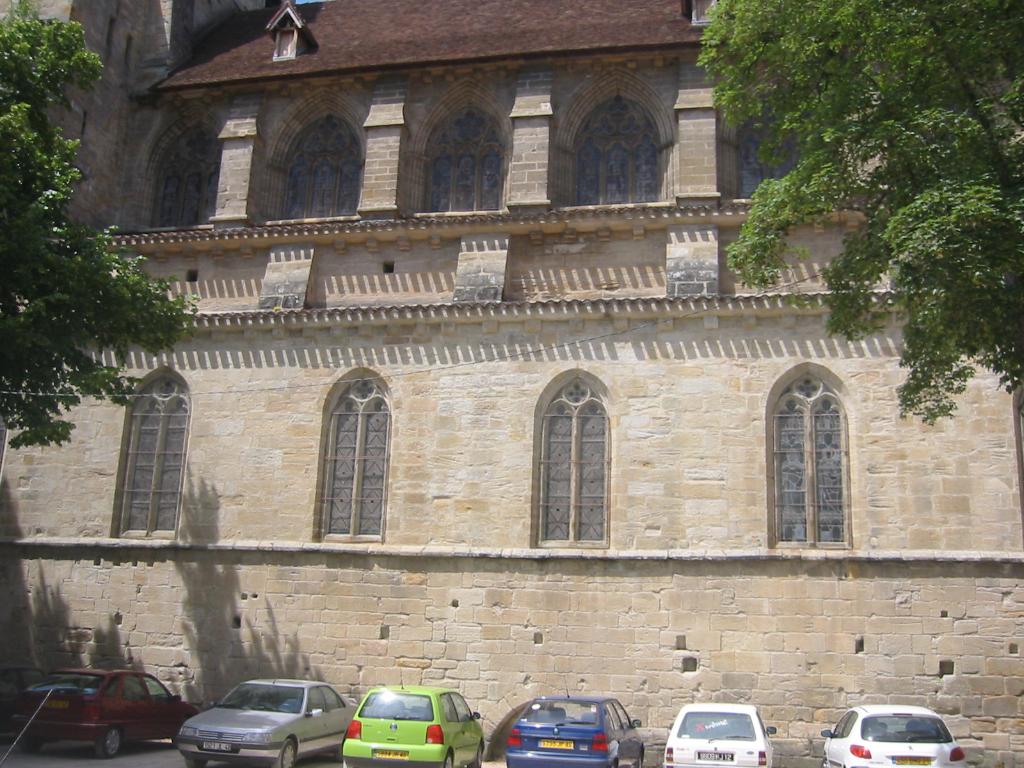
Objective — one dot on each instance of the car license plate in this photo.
(717, 757)
(390, 754)
(57, 704)
(217, 746)
(556, 744)
(912, 760)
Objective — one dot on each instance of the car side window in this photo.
(450, 713)
(156, 689)
(334, 701)
(30, 677)
(627, 721)
(845, 725)
(465, 714)
(133, 688)
(112, 690)
(316, 699)
(612, 717)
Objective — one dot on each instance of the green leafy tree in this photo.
(912, 114)
(66, 294)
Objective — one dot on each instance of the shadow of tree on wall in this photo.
(229, 642)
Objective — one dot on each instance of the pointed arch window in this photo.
(356, 462)
(617, 155)
(188, 180)
(574, 468)
(158, 435)
(464, 160)
(324, 171)
(3, 443)
(811, 465)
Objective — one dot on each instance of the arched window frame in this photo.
(618, 135)
(808, 428)
(564, 422)
(465, 161)
(188, 179)
(152, 506)
(323, 171)
(3, 445)
(357, 453)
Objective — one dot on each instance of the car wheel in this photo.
(286, 759)
(193, 762)
(478, 761)
(108, 743)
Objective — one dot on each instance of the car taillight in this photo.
(956, 755)
(600, 743)
(762, 758)
(434, 734)
(670, 756)
(355, 730)
(858, 751)
(515, 739)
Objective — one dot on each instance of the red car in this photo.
(105, 707)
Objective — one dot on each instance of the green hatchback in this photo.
(414, 726)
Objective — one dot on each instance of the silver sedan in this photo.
(269, 722)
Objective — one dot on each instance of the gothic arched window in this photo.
(158, 433)
(617, 155)
(810, 465)
(574, 467)
(188, 180)
(3, 442)
(752, 169)
(464, 165)
(324, 172)
(356, 461)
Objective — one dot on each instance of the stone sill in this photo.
(519, 553)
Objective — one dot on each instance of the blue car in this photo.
(574, 732)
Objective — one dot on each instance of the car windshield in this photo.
(561, 712)
(397, 705)
(712, 726)
(71, 682)
(905, 729)
(264, 697)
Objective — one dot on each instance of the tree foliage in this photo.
(66, 294)
(912, 114)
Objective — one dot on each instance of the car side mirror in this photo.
(314, 713)
(476, 715)
(635, 723)
(771, 730)
(827, 734)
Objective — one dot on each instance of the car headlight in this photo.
(188, 730)
(259, 737)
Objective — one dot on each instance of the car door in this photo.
(139, 722)
(631, 745)
(835, 746)
(469, 727)
(454, 727)
(315, 725)
(338, 715)
(165, 711)
(614, 729)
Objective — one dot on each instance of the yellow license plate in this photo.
(390, 754)
(555, 744)
(912, 760)
(56, 704)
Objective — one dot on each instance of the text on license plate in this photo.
(390, 754)
(912, 760)
(57, 704)
(555, 744)
(216, 746)
(719, 757)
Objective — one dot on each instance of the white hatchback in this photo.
(887, 735)
(718, 734)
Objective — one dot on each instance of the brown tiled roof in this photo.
(361, 35)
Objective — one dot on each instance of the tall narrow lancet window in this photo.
(158, 434)
(464, 162)
(574, 468)
(810, 464)
(617, 155)
(324, 172)
(356, 461)
(188, 180)
(3, 442)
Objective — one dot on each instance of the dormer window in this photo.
(291, 35)
(698, 11)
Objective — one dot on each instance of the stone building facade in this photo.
(473, 398)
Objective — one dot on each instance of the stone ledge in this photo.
(524, 553)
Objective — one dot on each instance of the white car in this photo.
(888, 735)
(718, 734)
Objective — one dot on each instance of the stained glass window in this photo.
(574, 467)
(324, 172)
(188, 186)
(356, 462)
(752, 169)
(810, 465)
(464, 160)
(158, 433)
(617, 155)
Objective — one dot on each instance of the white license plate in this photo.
(716, 757)
(217, 746)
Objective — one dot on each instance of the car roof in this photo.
(423, 690)
(894, 709)
(596, 699)
(285, 681)
(747, 709)
(88, 671)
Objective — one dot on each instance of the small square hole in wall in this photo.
(858, 645)
(389, 267)
(1013, 648)
(385, 631)
(943, 614)
(455, 603)
(236, 622)
(945, 667)
(680, 642)
(689, 664)
(538, 638)
(192, 276)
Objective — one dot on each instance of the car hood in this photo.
(221, 719)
